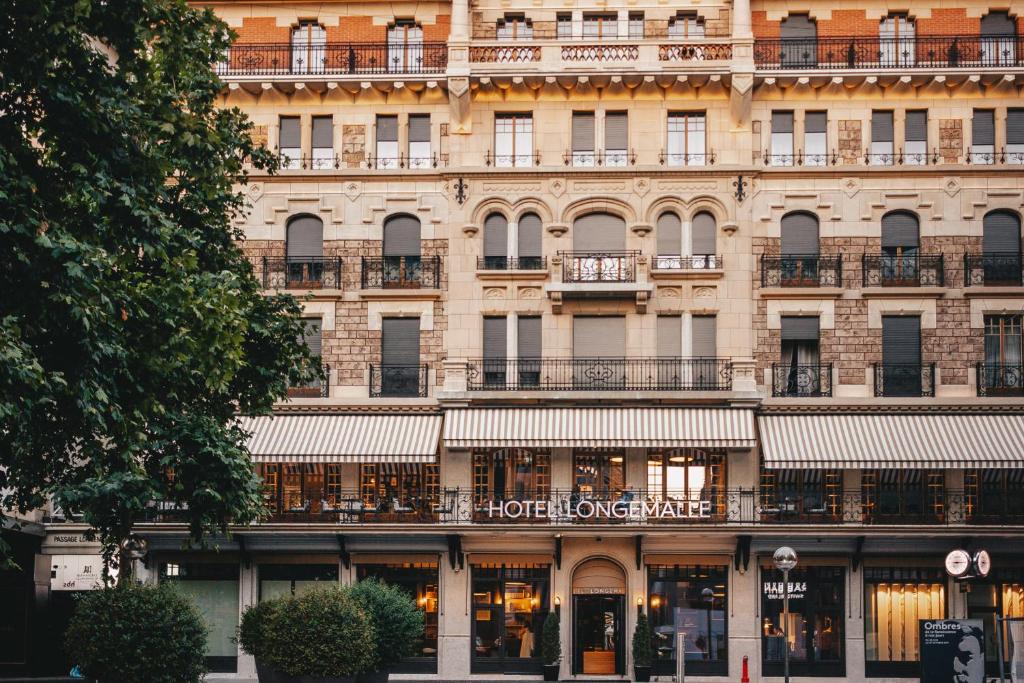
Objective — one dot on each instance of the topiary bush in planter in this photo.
(398, 623)
(643, 652)
(551, 646)
(137, 633)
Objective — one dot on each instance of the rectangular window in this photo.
(1015, 136)
(583, 138)
(419, 141)
(599, 474)
(495, 350)
(983, 137)
(511, 473)
(616, 138)
(563, 23)
(690, 599)
(994, 496)
(420, 581)
(312, 337)
(515, 27)
(513, 140)
(782, 139)
(397, 492)
(289, 142)
(798, 372)
(915, 134)
(636, 25)
(688, 475)
(814, 634)
(901, 496)
(323, 142)
(801, 495)
(304, 492)
(815, 142)
(894, 600)
(1003, 371)
(901, 356)
(601, 26)
(509, 605)
(704, 336)
(400, 357)
(295, 579)
(213, 587)
(882, 151)
(686, 139)
(685, 25)
(530, 350)
(387, 142)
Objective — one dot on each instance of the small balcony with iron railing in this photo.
(809, 380)
(299, 272)
(907, 380)
(599, 274)
(802, 270)
(914, 270)
(1000, 379)
(599, 374)
(318, 387)
(665, 266)
(399, 381)
(993, 270)
(400, 272)
(876, 54)
(331, 60)
(511, 263)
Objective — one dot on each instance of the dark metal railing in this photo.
(511, 263)
(405, 161)
(301, 272)
(399, 380)
(802, 271)
(890, 270)
(922, 52)
(600, 374)
(694, 262)
(611, 158)
(323, 161)
(608, 266)
(904, 379)
(316, 388)
(673, 159)
(813, 380)
(998, 269)
(800, 158)
(511, 160)
(401, 272)
(285, 59)
(1000, 379)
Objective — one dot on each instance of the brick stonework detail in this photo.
(353, 145)
(948, 22)
(259, 135)
(953, 345)
(951, 140)
(262, 30)
(762, 28)
(848, 22)
(851, 147)
(349, 30)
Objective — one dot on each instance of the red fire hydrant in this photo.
(745, 677)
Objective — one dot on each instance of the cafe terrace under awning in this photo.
(908, 441)
(343, 438)
(599, 427)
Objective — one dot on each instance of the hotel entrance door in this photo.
(598, 628)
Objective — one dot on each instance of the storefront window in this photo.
(894, 601)
(510, 603)
(511, 474)
(1002, 592)
(992, 496)
(214, 589)
(692, 600)
(420, 581)
(895, 495)
(687, 474)
(403, 489)
(295, 579)
(598, 474)
(302, 488)
(815, 630)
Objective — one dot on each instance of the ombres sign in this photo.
(599, 509)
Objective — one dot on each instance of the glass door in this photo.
(597, 635)
(405, 47)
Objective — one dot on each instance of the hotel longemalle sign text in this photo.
(598, 509)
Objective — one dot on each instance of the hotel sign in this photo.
(598, 509)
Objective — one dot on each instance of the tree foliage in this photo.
(131, 327)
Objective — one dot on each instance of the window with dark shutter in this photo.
(900, 230)
(419, 128)
(387, 129)
(983, 128)
(529, 336)
(782, 122)
(1015, 126)
(670, 336)
(496, 240)
(599, 336)
(704, 336)
(583, 131)
(304, 236)
(703, 234)
(495, 338)
(799, 234)
(323, 132)
(881, 126)
(401, 236)
(916, 126)
(312, 336)
(815, 121)
(400, 342)
(670, 234)
(901, 340)
(797, 27)
(1001, 233)
(529, 230)
(289, 136)
(616, 131)
(998, 24)
(799, 41)
(599, 232)
(799, 328)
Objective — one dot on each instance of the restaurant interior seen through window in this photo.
(687, 474)
(598, 474)
(801, 493)
(690, 599)
(895, 599)
(510, 474)
(420, 581)
(510, 603)
(1000, 593)
(814, 633)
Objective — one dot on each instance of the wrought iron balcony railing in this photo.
(511, 263)
(511, 160)
(800, 158)
(610, 266)
(798, 270)
(610, 158)
(695, 262)
(813, 380)
(324, 160)
(993, 269)
(1000, 379)
(904, 379)
(889, 270)
(397, 381)
(301, 272)
(600, 374)
(406, 162)
(401, 272)
(922, 52)
(666, 158)
(317, 388)
(330, 59)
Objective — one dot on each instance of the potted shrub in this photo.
(551, 646)
(398, 624)
(137, 633)
(324, 636)
(643, 653)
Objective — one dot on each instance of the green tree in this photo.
(131, 327)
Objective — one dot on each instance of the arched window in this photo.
(670, 240)
(896, 46)
(799, 36)
(1001, 247)
(900, 233)
(405, 47)
(531, 254)
(309, 47)
(599, 245)
(599, 232)
(799, 264)
(496, 242)
(998, 39)
(304, 246)
(402, 264)
(703, 241)
(900, 264)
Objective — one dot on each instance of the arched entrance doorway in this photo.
(599, 611)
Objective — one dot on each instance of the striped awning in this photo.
(343, 438)
(892, 441)
(599, 427)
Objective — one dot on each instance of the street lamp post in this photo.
(785, 559)
(709, 600)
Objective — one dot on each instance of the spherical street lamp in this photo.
(785, 559)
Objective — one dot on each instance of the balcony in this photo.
(333, 59)
(897, 54)
(399, 381)
(317, 388)
(586, 267)
(802, 271)
(607, 158)
(301, 272)
(1000, 379)
(887, 270)
(802, 381)
(697, 264)
(904, 379)
(511, 263)
(993, 270)
(401, 272)
(600, 374)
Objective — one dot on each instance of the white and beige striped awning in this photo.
(599, 427)
(343, 438)
(892, 441)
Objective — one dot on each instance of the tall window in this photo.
(782, 138)
(419, 141)
(509, 605)
(1001, 246)
(915, 136)
(495, 343)
(399, 488)
(998, 39)
(583, 138)
(896, 44)
(799, 36)
(616, 138)
(686, 139)
(800, 494)
(323, 142)
(994, 495)
(686, 25)
(636, 25)
(289, 142)
(511, 473)
(690, 599)
(1015, 136)
(529, 240)
(515, 27)
(598, 474)
(900, 265)
(405, 47)
(983, 137)
(304, 247)
(513, 140)
(814, 634)
(687, 474)
(309, 47)
(882, 149)
(902, 372)
(895, 599)
(387, 142)
(815, 138)
(213, 587)
(604, 25)
(563, 22)
(1003, 371)
(800, 250)
(400, 357)
(496, 241)
(894, 495)
(799, 372)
